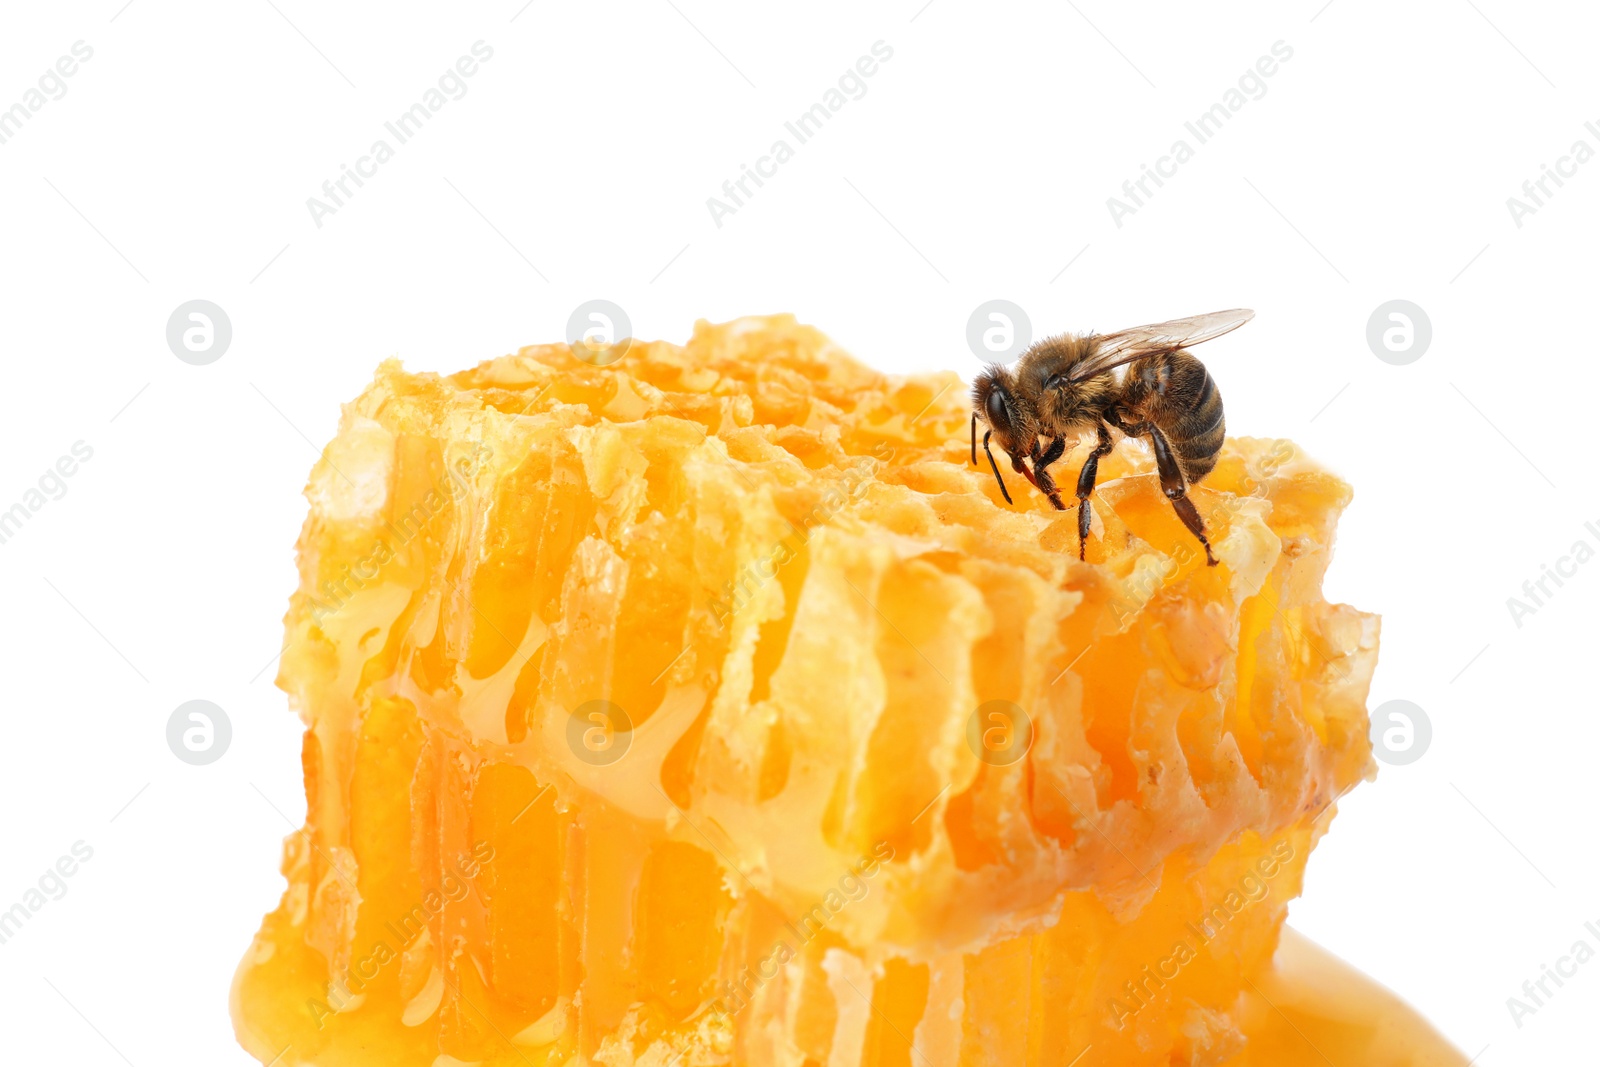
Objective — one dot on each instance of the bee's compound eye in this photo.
(996, 406)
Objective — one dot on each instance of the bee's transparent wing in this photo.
(1124, 346)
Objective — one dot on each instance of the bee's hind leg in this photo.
(1086, 478)
(1172, 485)
(1041, 474)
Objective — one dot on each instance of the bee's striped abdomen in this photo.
(1174, 391)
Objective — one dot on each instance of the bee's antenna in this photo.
(974, 438)
(992, 464)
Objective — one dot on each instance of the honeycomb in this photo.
(708, 707)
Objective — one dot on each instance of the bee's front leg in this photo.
(1041, 473)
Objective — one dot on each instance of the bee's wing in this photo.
(1124, 346)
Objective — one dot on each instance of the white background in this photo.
(978, 164)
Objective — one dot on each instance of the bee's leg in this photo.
(1058, 446)
(1041, 463)
(1086, 477)
(995, 467)
(1173, 486)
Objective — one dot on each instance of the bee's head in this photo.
(996, 403)
(1010, 420)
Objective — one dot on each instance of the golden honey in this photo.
(710, 708)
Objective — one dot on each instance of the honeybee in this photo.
(1065, 386)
